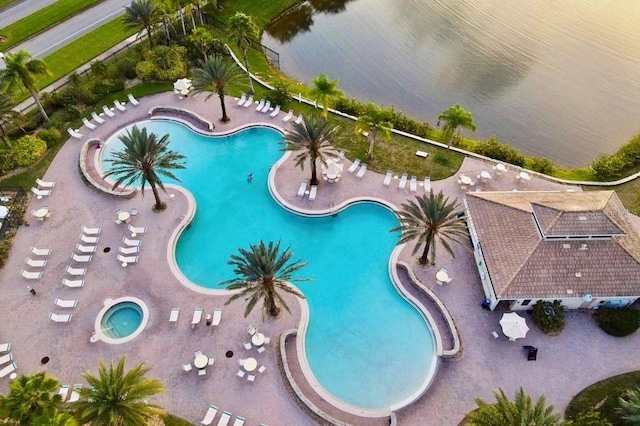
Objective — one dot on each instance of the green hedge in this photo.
(618, 322)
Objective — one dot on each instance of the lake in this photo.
(555, 79)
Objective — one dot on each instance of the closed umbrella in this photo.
(514, 326)
(182, 84)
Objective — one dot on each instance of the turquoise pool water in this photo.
(121, 320)
(365, 344)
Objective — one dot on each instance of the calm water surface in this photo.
(559, 79)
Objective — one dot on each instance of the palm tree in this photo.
(142, 14)
(374, 120)
(430, 220)
(629, 406)
(202, 38)
(117, 397)
(454, 118)
(312, 137)
(261, 272)
(7, 116)
(243, 31)
(30, 398)
(519, 412)
(325, 91)
(22, 68)
(167, 15)
(214, 75)
(143, 158)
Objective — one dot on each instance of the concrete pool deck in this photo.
(581, 355)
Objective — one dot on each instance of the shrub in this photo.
(6, 160)
(618, 322)
(127, 68)
(607, 166)
(280, 94)
(27, 150)
(549, 317)
(629, 153)
(542, 165)
(494, 149)
(162, 64)
(5, 248)
(51, 136)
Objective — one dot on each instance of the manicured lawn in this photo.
(42, 19)
(5, 3)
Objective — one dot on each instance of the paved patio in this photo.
(581, 355)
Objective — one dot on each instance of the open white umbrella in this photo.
(514, 326)
(182, 84)
(333, 170)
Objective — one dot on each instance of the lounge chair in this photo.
(197, 317)
(90, 231)
(131, 243)
(217, 316)
(127, 259)
(77, 272)
(212, 361)
(134, 212)
(129, 250)
(247, 345)
(211, 412)
(40, 252)
(362, 171)
(387, 178)
(224, 420)
(41, 192)
(75, 393)
(96, 117)
(138, 230)
(81, 258)
(133, 100)
(31, 275)
(107, 111)
(63, 392)
(74, 133)
(4, 347)
(287, 117)
(35, 263)
(248, 102)
(312, 192)
(262, 369)
(173, 318)
(61, 318)
(240, 373)
(43, 184)
(6, 358)
(403, 181)
(260, 105)
(88, 239)
(251, 378)
(72, 283)
(427, 184)
(413, 184)
(302, 188)
(86, 249)
(202, 372)
(66, 304)
(242, 100)
(299, 120)
(275, 112)
(8, 369)
(266, 108)
(187, 367)
(260, 349)
(118, 105)
(354, 166)
(239, 421)
(495, 334)
(251, 330)
(88, 124)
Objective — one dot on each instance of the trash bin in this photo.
(209, 319)
(486, 304)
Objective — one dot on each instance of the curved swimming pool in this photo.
(365, 344)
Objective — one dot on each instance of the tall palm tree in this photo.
(243, 31)
(116, 397)
(374, 120)
(22, 68)
(142, 160)
(629, 406)
(454, 118)
(261, 272)
(430, 220)
(7, 116)
(325, 91)
(30, 398)
(143, 14)
(312, 137)
(167, 16)
(202, 38)
(215, 75)
(518, 412)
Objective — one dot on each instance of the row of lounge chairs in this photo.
(302, 190)
(264, 106)
(6, 358)
(106, 111)
(413, 182)
(198, 313)
(224, 418)
(127, 255)
(36, 252)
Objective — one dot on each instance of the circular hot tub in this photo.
(120, 320)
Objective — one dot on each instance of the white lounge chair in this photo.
(187, 367)
(138, 230)
(8, 369)
(35, 263)
(76, 272)
(260, 349)
(224, 420)
(251, 330)
(4, 347)
(387, 178)
(427, 184)
(6, 358)
(61, 318)
(362, 171)
(175, 313)
(262, 369)
(40, 252)
(129, 250)
(63, 392)
(90, 231)
(88, 124)
(31, 275)
(239, 421)
(127, 259)
(45, 185)
(75, 393)
(287, 117)
(260, 105)
(107, 111)
(88, 239)
(118, 105)
(81, 258)
(240, 373)
(248, 102)
(354, 166)
(413, 184)
(275, 112)
(211, 413)
(86, 249)
(266, 107)
(74, 133)
(251, 378)
(312, 192)
(202, 372)
(242, 100)
(217, 316)
(72, 283)
(66, 304)
(197, 317)
(41, 192)
(299, 119)
(133, 100)
(403, 181)
(131, 243)
(212, 361)
(247, 345)
(302, 188)
(97, 118)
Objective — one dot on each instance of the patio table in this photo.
(250, 364)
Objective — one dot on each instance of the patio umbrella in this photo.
(182, 84)
(333, 170)
(513, 326)
(4, 211)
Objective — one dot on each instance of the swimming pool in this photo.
(121, 320)
(364, 344)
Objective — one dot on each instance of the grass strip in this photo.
(5, 3)
(42, 19)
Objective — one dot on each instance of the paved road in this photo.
(20, 9)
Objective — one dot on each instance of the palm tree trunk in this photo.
(372, 141)
(34, 94)
(148, 28)
(450, 139)
(156, 195)
(425, 253)
(200, 15)
(166, 29)
(181, 14)
(193, 19)
(3, 135)
(224, 108)
(246, 66)
(314, 174)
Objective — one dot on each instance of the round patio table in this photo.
(258, 339)
(201, 361)
(250, 364)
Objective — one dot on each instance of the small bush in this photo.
(494, 149)
(607, 166)
(6, 160)
(549, 317)
(280, 94)
(618, 322)
(542, 165)
(162, 64)
(127, 68)
(27, 150)
(51, 136)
